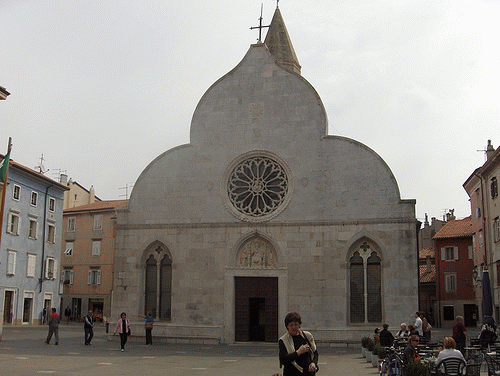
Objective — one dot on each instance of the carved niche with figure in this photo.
(256, 253)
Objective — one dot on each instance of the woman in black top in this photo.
(297, 349)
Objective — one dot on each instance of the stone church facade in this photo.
(263, 213)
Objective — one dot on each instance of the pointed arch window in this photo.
(158, 284)
(365, 281)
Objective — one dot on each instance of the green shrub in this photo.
(364, 341)
(370, 345)
(417, 369)
(379, 350)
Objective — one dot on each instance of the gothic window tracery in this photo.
(365, 281)
(158, 283)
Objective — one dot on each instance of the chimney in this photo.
(92, 195)
(63, 179)
(489, 150)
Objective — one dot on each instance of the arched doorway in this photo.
(256, 297)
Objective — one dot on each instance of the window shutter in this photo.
(443, 253)
(98, 278)
(455, 253)
(9, 224)
(11, 263)
(31, 265)
(71, 277)
(47, 268)
(54, 275)
(89, 277)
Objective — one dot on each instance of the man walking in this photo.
(67, 313)
(88, 325)
(53, 327)
(418, 324)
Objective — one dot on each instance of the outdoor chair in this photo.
(451, 367)
(473, 369)
(493, 365)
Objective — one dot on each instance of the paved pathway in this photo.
(23, 352)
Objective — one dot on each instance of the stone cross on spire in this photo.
(260, 27)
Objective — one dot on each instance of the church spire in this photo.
(279, 44)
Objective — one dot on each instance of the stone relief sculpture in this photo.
(256, 253)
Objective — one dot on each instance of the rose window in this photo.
(257, 186)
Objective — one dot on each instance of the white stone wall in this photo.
(340, 191)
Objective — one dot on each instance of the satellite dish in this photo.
(41, 168)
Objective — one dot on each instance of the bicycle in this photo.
(392, 364)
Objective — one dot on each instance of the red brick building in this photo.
(427, 284)
(454, 266)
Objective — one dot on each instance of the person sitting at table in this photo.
(412, 330)
(386, 337)
(402, 333)
(448, 352)
(488, 333)
(411, 354)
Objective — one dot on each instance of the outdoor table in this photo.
(431, 363)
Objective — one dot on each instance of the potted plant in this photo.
(417, 369)
(364, 344)
(369, 348)
(378, 353)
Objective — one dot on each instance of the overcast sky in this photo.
(101, 88)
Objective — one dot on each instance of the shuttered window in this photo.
(30, 269)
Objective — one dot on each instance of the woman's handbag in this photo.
(149, 325)
(129, 332)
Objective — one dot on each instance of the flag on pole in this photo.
(4, 165)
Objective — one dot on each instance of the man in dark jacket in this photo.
(88, 326)
(386, 337)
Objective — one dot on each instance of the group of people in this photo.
(122, 328)
(298, 354)
(420, 328)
